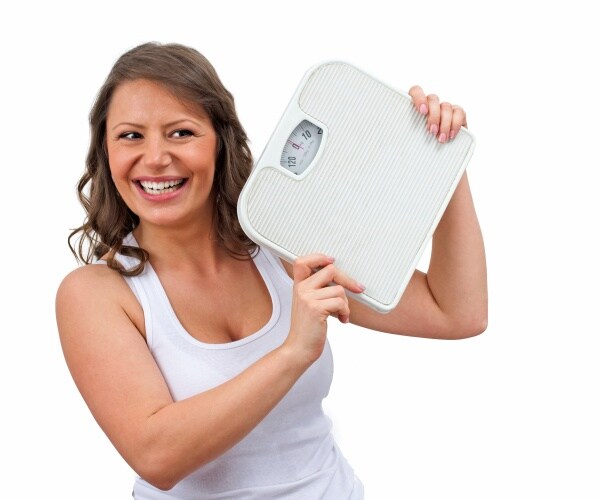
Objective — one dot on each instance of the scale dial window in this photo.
(301, 147)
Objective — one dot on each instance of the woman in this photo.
(204, 360)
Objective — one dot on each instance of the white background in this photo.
(509, 414)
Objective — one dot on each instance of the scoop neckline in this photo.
(275, 307)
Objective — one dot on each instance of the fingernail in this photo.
(452, 134)
(423, 109)
(331, 259)
(442, 137)
(434, 129)
(361, 286)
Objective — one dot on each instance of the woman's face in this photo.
(162, 154)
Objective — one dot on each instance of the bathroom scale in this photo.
(351, 171)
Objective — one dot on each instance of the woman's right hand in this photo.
(319, 292)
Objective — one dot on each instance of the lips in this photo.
(161, 187)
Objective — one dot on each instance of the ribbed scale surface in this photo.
(377, 191)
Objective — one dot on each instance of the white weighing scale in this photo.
(351, 171)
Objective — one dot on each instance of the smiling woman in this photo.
(206, 361)
(162, 154)
(187, 78)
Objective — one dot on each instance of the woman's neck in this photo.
(189, 247)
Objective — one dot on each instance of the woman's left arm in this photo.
(450, 301)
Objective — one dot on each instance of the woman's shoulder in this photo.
(95, 292)
(95, 283)
(90, 276)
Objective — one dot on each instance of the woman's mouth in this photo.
(163, 187)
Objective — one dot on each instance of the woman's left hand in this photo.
(443, 119)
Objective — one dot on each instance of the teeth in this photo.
(151, 187)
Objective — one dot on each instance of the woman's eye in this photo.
(130, 135)
(182, 133)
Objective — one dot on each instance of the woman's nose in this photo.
(156, 153)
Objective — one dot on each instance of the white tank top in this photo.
(291, 453)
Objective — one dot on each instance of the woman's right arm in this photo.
(163, 440)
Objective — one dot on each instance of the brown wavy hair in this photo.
(189, 76)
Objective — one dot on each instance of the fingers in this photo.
(433, 119)
(331, 274)
(419, 98)
(334, 300)
(459, 119)
(305, 266)
(317, 279)
(317, 270)
(444, 120)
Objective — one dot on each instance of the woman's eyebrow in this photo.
(129, 124)
(170, 124)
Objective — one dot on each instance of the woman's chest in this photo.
(222, 309)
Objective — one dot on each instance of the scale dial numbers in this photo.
(301, 147)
